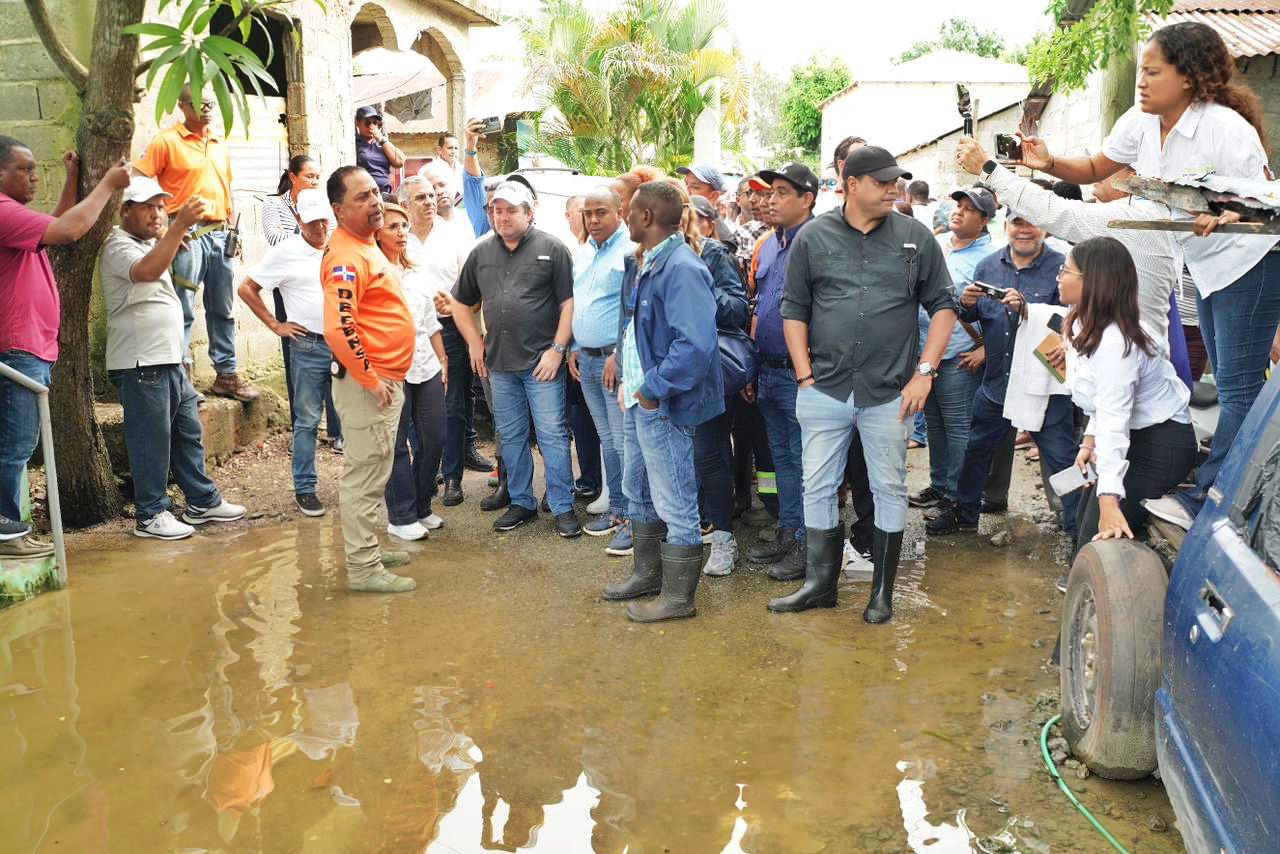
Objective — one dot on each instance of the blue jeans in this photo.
(19, 427)
(920, 429)
(516, 395)
(988, 432)
(603, 406)
(309, 361)
(658, 474)
(162, 431)
(776, 397)
(202, 263)
(827, 427)
(947, 411)
(1237, 324)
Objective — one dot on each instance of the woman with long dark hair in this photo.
(279, 211)
(413, 481)
(1139, 436)
(1193, 117)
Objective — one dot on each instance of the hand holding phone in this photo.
(1071, 478)
(1008, 148)
(493, 124)
(991, 290)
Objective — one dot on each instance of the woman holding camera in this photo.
(1139, 436)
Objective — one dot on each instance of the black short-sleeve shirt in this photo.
(522, 291)
(859, 294)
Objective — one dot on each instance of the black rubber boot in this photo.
(885, 551)
(824, 551)
(646, 570)
(681, 569)
(500, 497)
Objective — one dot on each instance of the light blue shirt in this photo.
(961, 264)
(632, 370)
(597, 289)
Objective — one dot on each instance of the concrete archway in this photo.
(436, 46)
(372, 27)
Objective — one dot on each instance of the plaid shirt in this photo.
(746, 235)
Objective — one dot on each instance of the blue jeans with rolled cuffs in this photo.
(826, 427)
(658, 476)
(202, 263)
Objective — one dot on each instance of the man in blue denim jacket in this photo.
(669, 381)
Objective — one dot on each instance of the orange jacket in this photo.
(366, 319)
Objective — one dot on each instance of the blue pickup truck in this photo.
(1171, 652)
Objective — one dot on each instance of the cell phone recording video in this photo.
(493, 124)
(1008, 147)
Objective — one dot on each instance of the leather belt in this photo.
(776, 361)
(599, 352)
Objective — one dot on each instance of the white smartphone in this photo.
(1071, 478)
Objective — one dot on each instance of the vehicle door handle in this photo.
(1214, 614)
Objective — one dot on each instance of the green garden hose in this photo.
(1048, 761)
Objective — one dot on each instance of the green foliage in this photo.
(1110, 29)
(958, 34)
(767, 93)
(189, 54)
(810, 85)
(627, 86)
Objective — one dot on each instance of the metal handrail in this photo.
(50, 468)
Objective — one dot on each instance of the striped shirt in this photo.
(279, 218)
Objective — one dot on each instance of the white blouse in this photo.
(1121, 393)
(419, 293)
(1208, 138)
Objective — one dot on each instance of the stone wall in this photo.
(1262, 74)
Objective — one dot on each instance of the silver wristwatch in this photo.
(558, 347)
(925, 369)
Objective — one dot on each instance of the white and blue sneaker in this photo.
(621, 545)
(602, 526)
(724, 554)
(11, 530)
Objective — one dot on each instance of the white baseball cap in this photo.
(513, 192)
(313, 204)
(143, 189)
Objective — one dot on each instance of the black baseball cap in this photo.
(796, 174)
(874, 161)
(981, 198)
(367, 113)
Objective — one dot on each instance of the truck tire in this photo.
(1112, 623)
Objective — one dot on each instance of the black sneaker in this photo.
(514, 518)
(309, 504)
(931, 513)
(585, 494)
(568, 526)
(926, 497)
(11, 530)
(950, 523)
(995, 508)
(476, 461)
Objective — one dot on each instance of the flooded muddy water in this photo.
(226, 693)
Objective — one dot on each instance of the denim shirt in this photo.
(961, 263)
(771, 274)
(597, 285)
(1038, 283)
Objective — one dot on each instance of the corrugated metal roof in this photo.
(1254, 30)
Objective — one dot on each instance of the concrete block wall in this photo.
(1262, 74)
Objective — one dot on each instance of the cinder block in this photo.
(19, 102)
(58, 101)
(27, 60)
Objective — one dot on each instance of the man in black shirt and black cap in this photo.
(856, 278)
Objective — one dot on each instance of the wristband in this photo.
(804, 379)
(470, 152)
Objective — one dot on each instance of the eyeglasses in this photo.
(828, 183)
(207, 105)
(1064, 270)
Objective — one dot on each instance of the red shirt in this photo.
(29, 303)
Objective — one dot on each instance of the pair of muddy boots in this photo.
(824, 551)
(659, 567)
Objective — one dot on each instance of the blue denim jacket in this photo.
(675, 328)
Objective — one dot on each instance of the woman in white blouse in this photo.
(1139, 436)
(413, 481)
(1192, 118)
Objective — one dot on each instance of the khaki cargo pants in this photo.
(369, 437)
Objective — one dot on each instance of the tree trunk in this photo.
(87, 487)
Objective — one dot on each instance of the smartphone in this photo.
(493, 124)
(1008, 148)
(991, 290)
(1071, 478)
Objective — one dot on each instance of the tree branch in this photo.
(145, 65)
(77, 75)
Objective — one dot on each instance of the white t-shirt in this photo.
(1208, 138)
(924, 213)
(420, 294)
(292, 267)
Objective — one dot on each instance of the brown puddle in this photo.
(226, 694)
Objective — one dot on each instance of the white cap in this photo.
(143, 189)
(313, 204)
(514, 193)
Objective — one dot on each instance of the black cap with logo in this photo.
(796, 174)
(367, 113)
(874, 161)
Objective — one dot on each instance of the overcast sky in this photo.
(783, 34)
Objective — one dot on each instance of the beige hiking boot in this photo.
(378, 581)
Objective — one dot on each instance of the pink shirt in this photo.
(29, 305)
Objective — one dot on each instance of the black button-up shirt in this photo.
(860, 295)
(522, 290)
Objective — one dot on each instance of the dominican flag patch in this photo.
(343, 274)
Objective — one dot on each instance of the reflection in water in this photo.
(248, 704)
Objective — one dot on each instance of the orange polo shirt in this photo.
(366, 319)
(188, 164)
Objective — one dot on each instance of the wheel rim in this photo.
(1084, 657)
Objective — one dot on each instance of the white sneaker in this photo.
(432, 522)
(224, 512)
(412, 531)
(855, 565)
(1170, 510)
(163, 526)
(724, 554)
(601, 504)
